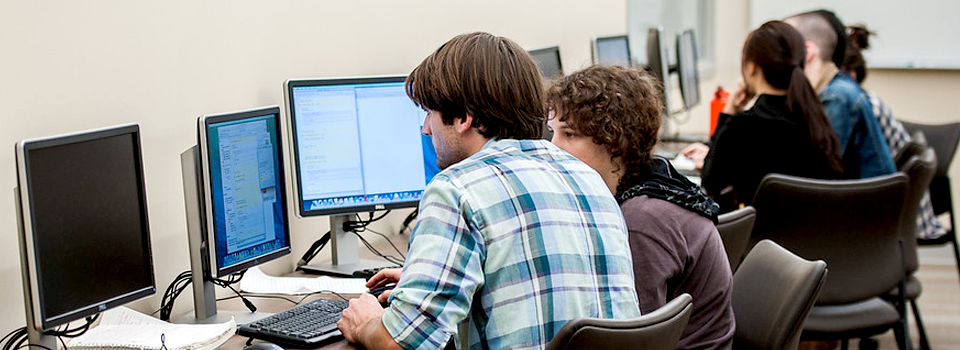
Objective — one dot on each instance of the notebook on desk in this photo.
(123, 328)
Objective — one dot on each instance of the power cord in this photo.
(357, 226)
(17, 338)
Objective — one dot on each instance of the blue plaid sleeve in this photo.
(441, 275)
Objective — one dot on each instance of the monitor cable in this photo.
(314, 249)
(184, 279)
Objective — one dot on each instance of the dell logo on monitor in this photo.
(379, 207)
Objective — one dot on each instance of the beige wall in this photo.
(68, 66)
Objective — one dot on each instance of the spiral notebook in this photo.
(123, 328)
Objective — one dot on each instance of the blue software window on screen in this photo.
(246, 203)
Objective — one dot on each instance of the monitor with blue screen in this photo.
(357, 147)
(234, 187)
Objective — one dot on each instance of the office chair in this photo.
(854, 226)
(773, 291)
(917, 145)
(658, 330)
(943, 139)
(920, 169)
(735, 228)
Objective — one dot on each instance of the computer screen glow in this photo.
(245, 173)
(358, 145)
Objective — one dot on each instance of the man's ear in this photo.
(464, 124)
(813, 51)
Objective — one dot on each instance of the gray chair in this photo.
(773, 291)
(660, 329)
(854, 226)
(735, 228)
(920, 168)
(943, 139)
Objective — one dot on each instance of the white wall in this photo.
(73, 65)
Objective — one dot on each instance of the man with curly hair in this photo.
(609, 118)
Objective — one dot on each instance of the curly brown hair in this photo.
(618, 107)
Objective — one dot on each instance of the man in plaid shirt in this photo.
(515, 237)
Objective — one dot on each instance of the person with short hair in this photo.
(514, 237)
(609, 117)
(862, 145)
(894, 133)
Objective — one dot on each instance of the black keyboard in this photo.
(305, 326)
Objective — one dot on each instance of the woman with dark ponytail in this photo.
(784, 132)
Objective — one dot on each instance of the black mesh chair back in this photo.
(657, 330)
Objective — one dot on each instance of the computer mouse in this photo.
(263, 346)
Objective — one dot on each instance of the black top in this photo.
(765, 139)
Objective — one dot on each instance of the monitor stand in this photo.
(344, 256)
(204, 291)
(35, 337)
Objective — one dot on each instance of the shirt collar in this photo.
(830, 71)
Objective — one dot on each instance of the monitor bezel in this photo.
(41, 321)
(554, 52)
(688, 74)
(658, 51)
(288, 87)
(596, 48)
(203, 123)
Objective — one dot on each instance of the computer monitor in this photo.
(612, 51)
(84, 234)
(659, 63)
(235, 194)
(357, 147)
(687, 68)
(548, 61)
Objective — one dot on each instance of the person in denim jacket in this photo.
(862, 145)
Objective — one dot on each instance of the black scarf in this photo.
(663, 182)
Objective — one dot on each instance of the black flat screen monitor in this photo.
(244, 197)
(687, 68)
(548, 61)
(357, 145)
(85, 238)
(659, 63)
(612, 51)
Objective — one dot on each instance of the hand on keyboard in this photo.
(361, 311)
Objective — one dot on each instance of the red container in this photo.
(720, 99)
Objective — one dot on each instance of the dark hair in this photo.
(620, 108)
(825, 29)
(486, 76)
(779, 51)
(858, 40)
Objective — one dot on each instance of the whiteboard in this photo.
(909, 34)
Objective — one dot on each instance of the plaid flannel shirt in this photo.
(515, 240)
